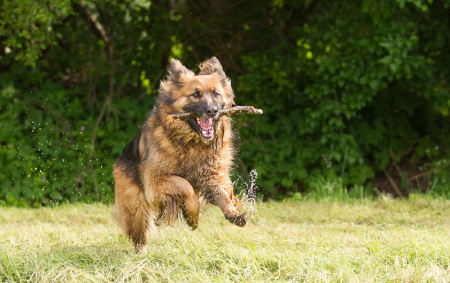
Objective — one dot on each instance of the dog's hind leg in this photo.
(131, 210)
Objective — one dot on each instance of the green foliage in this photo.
(340, 85)
(66, 117)
(333, 188)
(46, 149)
(358, 82)
(27, 26)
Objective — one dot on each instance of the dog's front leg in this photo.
(171, 192)
(220, 196)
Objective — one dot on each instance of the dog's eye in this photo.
(196, 94)
(216, 94)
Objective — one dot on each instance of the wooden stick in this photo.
(227, 111)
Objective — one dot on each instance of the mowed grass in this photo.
(293, 241)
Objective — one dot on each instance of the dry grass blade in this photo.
(227, 111)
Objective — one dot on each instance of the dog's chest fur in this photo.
(181, 154)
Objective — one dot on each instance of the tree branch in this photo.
(399, 171)
(420, 175)
(95, 26)
(393, 184)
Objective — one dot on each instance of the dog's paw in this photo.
(238, 220)
(191, 220)
(140, 248)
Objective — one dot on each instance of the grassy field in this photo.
(294, 241)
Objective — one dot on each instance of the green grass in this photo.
(293, 241)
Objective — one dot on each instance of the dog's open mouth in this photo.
(204, 126)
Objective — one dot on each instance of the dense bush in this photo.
(351, 91)
(359, 81)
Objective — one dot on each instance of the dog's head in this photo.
(204, 94)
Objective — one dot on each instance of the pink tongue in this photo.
(205, 124)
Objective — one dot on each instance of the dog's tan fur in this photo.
(168, 166)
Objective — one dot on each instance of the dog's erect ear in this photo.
(210, 66)
(177, 70)
(213, 65)
(176, 78)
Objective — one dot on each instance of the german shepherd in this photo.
(171, 166)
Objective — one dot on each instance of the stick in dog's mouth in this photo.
(227, 111)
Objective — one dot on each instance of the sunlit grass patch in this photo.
(386, 240)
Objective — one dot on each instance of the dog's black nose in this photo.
(211, 110)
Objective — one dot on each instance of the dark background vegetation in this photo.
(351, 90)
